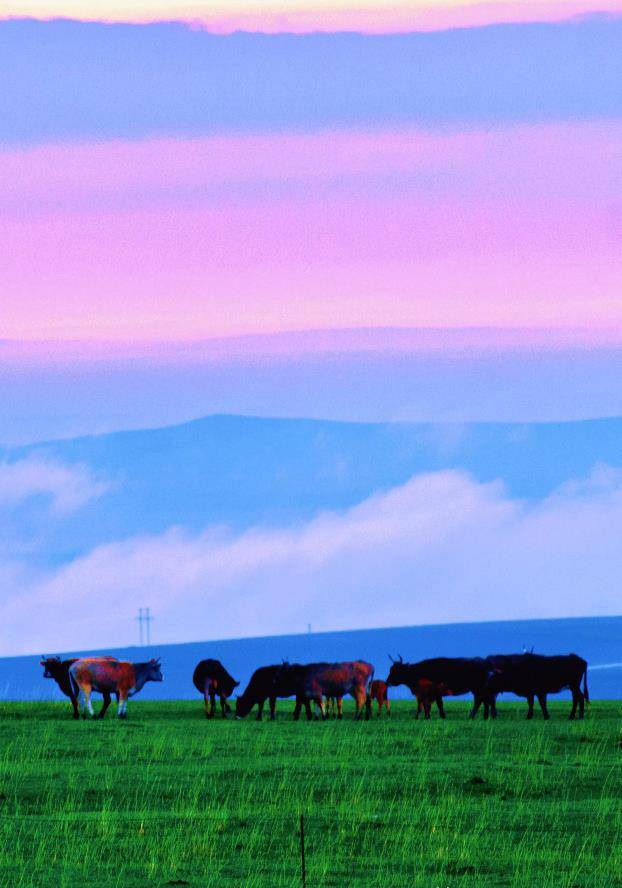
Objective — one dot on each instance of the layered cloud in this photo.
(168, 79)
(512, 227)
(301, 16)
(66, 487)
(440, 548)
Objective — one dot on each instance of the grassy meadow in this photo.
(168, 798)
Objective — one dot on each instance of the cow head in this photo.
(398, 673)
(51, 666)
(154, 671)
(243, 706)
(227, 687)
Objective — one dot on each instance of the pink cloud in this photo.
(300, 16)
(165, 239)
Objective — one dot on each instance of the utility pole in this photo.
(144, 626)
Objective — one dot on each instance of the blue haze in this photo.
(595, 638)
(66, 80)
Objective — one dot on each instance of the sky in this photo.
(355, 211)
(312, 15)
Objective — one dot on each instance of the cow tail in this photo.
(369, 681)
(585, 692)
(73, 684)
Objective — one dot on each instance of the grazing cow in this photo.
(336, 680)
(379, 691)
(535, 675)
(447, 676)
(118, 677)
(270, 682)
(211, 679)
(54, 667)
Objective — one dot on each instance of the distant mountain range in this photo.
(243, 471)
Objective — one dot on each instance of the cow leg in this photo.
(212, 702)
(272, 702)
(122, 704)
(223, 706)
(319, 702)
(360, 697)
(107, 697)
(542, 702)
(441, 707)
(419, 707)
(207, 700)
(260, 706)
(339, 707)
(427, 708)
(87, 706)
(477, 702)
(530, 706)
(297, 708)
(575, 703)
(493, 707)
(581, 703)
(308, 711)
(387, 703)
(74, 704)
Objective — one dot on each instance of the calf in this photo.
(54, 667)
(118, 677)
(379, 691)
(211, 679)
(535, 675)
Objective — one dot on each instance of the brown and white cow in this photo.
(54, 667)
(118, 677)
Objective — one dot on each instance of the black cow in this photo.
(211, 679)
(270, 682)
(54, 667)
(535, 675)
(451, 676)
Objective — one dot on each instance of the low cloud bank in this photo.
(66, 487)
(440, 548)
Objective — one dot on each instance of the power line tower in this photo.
(144, 626)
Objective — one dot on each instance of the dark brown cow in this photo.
(211, 679)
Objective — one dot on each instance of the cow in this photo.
(336, 680)
(535, 675)
(211, 679)
(379, 691)
(270, 682)
(442, 676)
(54, 667)
(118, 677)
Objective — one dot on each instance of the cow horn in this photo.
(401, 659)
(391, 658)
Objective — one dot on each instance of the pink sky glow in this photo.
(299, 16)
(198, 238)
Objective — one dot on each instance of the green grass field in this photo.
(169, 798)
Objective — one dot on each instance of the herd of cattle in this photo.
(529, 675)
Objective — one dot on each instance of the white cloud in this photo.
(68, 487)
(440, 548)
